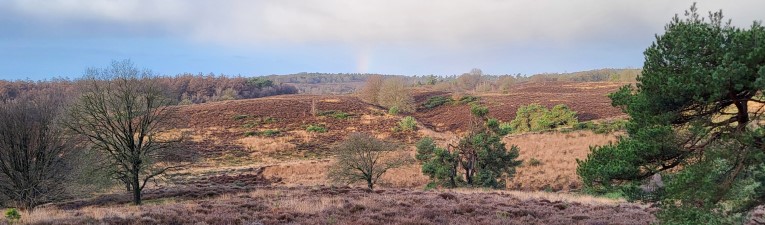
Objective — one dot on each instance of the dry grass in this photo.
(297, 173)
(261, 145)
(557, 154)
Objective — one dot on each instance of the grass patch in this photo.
(265, 133)
(335, 114)
(316, 128)
(250, 133)
(270, 133)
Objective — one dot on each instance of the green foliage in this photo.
(316, 128)
(692, 216)
(499, 127)
(494, 162)
(505, 128)
(270, 133)
(259, 82)
(250, 133)
(483, 157)
(438, 164)
(535, 117)
(468, 99)
(393, 110)
(335, 114)
(479, 111)
(407, 124)
(436, 101)
(690, 121)
(12, 215)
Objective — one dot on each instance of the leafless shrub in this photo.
(33, 149)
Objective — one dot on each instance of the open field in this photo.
(258, 162)
(225, 134)
(589, 99)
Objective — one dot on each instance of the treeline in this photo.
(475, 80)
(191, 88)
(180, 89)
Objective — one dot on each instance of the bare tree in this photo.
(33, 149)
(121, 111)
(469, 81)
(362, 157)
(394, 93)
(371, 89)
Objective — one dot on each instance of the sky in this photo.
(42, 39)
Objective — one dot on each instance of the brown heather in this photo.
(345, 205)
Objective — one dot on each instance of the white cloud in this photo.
(370, 22)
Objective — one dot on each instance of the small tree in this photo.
(33, 149)
(481, 154)
(484, 158)
(362, 157)
(696, 118)
(120, 112)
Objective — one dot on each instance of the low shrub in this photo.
(250, 133)
(240, 117)
(468, 99)
(500, 128)
(407, 124)
(436, 101)
(393, 110)
(270, 133)
(534, 162)
(316, 128)
(505, 128)
(535, 117)
(12, 215)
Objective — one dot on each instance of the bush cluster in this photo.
(535, 117)
(436, 101)
(406, 124)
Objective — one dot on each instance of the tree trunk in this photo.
(136, 190)
(370, 185)
(469, 176)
